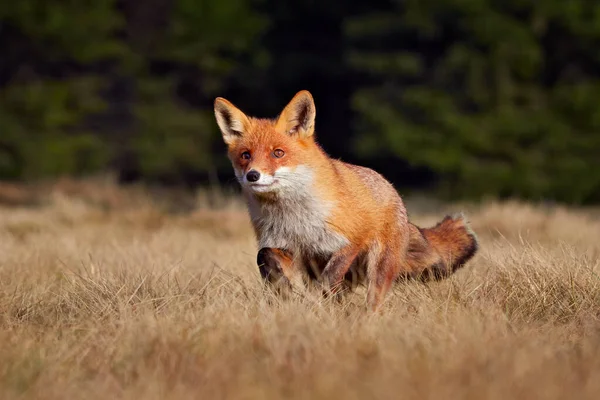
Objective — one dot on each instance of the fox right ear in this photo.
(232, 122)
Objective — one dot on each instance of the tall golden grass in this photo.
(108, 293)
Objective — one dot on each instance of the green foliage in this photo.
(169, 135)
(78, 30)
(163, 145)
(37, 120)
(484, 96)
(44, 119)
(495, 97)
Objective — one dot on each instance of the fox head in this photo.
(270, 155)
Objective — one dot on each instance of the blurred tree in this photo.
(45, 91)
(190, 58)
(306, 41)
(498, 97)
(84, 83)
(483, 96)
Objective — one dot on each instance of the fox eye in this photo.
(278, 153)
(245, 155)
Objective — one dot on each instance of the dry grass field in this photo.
(108, 293)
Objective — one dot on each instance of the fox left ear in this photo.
(298, 117)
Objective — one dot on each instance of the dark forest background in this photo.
(460, 98)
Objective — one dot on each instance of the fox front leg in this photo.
(338, 265)
(273, 264)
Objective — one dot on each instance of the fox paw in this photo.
(269, 265)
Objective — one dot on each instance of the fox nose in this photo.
(253, 175)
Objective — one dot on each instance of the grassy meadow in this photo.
(112, 293)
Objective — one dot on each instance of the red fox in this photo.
(322, 220)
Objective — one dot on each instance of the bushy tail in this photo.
(437, 252)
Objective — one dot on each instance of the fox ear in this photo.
(298, 117)
(232, 122)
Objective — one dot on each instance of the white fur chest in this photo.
(297, 223)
